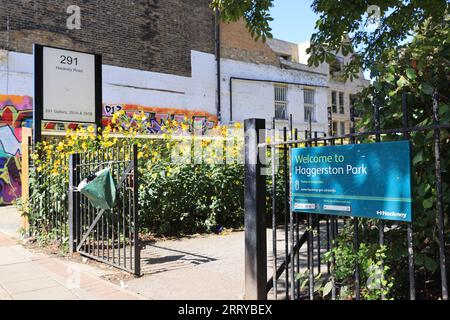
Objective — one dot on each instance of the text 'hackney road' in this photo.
(362, 180)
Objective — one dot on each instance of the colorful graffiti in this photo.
(15, 113)
(200, 122)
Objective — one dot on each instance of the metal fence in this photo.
(57, 211)
(298, 241)
(48, 196)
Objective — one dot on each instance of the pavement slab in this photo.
(26, 275)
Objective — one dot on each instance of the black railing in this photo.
(317, 232)
(109, 236)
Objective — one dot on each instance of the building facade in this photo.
(257, 81)
(342, 94)
(161, 57)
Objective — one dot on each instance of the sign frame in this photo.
(38, 101)
(330, 181)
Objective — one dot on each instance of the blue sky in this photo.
(294, 20)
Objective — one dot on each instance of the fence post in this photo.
(410, 230)
(439, 196)
(73, 225)
(255, 207)
(137, 244)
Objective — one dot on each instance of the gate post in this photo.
(137, 244)
(255, 211)
(74, 159)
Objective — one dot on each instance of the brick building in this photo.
(158, 57)
(151, 35)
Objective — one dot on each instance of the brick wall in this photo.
(152, 35)
(237, 44)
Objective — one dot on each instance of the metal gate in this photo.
(108, 236)
(299, 241)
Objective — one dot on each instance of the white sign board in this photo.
(68, 86)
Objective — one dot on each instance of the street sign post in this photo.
(361, 180)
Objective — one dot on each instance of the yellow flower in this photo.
(184, 127)
(238, 125)
(224, 131)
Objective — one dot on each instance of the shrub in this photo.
(188, 184)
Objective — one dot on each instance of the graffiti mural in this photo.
(15, 113)
(200, 122)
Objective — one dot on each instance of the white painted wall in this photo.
(130, 86)
(198, 92)
(256, 99)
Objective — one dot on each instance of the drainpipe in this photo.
(7, 51)
(218, 57)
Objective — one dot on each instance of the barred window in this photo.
(334, 101)
(342, 125)
(310, 105)
(341, 103)
(281, 101)
(310, 97)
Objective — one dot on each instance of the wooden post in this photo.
(25, 164)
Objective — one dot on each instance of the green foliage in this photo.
(375, 279)
(421, 69)
(186, 199)
(342, 27)
(176, 197)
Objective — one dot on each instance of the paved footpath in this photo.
(26, 275)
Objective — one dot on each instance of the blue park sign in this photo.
(361, 180)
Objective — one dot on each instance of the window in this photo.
(334, 101)
(341, 103)
(335, 128)
(342, 125)
(281, 101)
(310, 105)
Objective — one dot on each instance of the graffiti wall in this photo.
(200, 122)
(15, 113)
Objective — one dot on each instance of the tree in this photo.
(345, 26)
(420, 68)
(342, 25)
